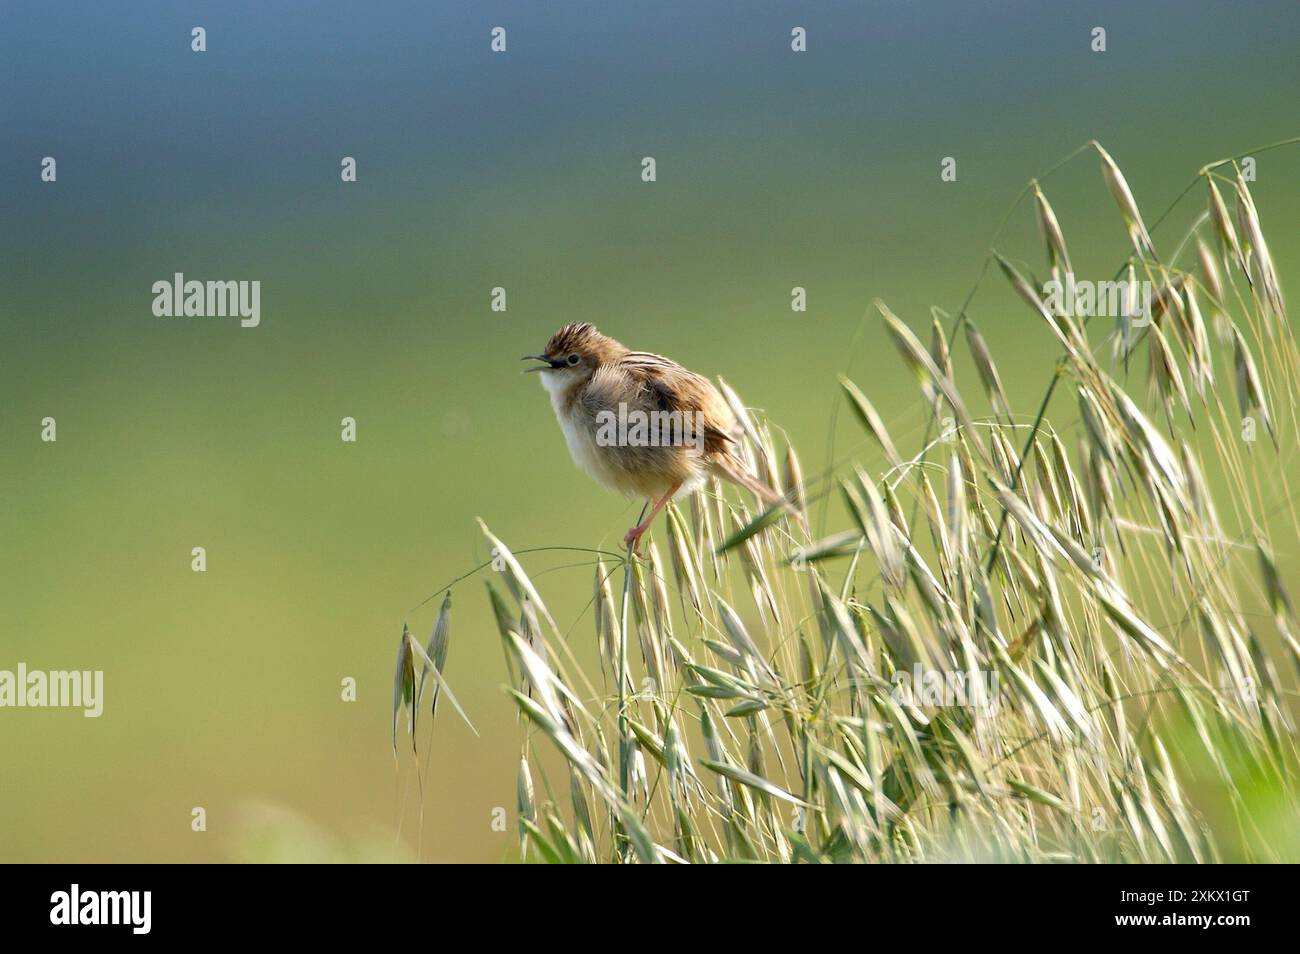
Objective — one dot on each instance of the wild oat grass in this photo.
(1106, 557)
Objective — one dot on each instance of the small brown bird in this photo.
(640, 423)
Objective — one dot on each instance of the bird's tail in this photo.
(730, 469)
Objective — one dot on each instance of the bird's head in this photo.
(573, 354)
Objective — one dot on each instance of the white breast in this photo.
(578, 433)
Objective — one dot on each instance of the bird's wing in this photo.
(664, 385)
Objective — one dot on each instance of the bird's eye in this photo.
(573, 359)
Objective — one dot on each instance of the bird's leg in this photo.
(633, 537)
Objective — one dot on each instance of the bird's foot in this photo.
(632, 539)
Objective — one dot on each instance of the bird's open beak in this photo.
(547, 364)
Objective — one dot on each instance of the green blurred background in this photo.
(476, 169)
